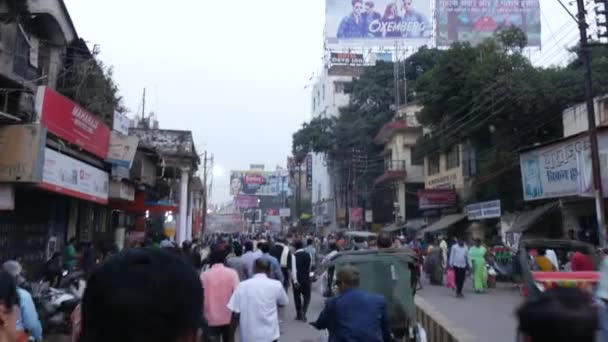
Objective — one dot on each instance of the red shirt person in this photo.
(582, 262)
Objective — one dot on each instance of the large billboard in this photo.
(259, 183)
(361, 22)
(475, 20)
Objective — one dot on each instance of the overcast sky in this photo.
(233, 72)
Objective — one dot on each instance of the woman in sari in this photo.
(477, 255)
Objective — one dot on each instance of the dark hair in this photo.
(298, 244)
(369, 3)
(542, 251)
(248, 246)
(559, 315)
(310, 241)
(264, 247)
(333, 246)
(72, 240)
(218, 255)
(385, 240)
(141, 295)
(8, 291)
(262, 265)
(356, 2)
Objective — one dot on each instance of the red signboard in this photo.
(246, 202)
(69, 121)
(436, 198)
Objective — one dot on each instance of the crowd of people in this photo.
(214, 287)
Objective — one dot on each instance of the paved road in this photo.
(297, 331)
(488, 317)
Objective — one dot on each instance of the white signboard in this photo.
(285, 212)
(122, 149)
(74, 178)
(122, 191)
(484, 210)
(369, 216)
(7, 197)
(551, 171)
(121, 124)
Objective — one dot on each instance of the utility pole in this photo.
(205, 191)
(143, 106)
(585, 56)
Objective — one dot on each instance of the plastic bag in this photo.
(451, 283)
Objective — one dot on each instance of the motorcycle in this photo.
(55, 305)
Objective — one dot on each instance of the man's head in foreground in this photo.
(142, 295)
(558, 315)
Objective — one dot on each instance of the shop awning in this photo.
(526, 219)
(443, 223)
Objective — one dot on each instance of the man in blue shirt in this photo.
(355, 315)
(352, 26)
(417, 24)
(275, 267)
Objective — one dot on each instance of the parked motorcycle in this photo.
(55, 305)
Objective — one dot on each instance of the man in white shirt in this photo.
(459, 261)
(254, 304)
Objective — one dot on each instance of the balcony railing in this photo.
(395, 165)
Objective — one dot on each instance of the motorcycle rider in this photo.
(28, 320)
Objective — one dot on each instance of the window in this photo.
(433, 164)
(417, 159)
(453, 157)
(340, 87)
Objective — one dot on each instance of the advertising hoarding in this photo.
(122, 149)
(356, 23)
(346, 58)
(68, 176)
(21, 153)
(551, 171)
(429, 199)
(474, 21)
(67, 120)
(260, 183)
(484, 210)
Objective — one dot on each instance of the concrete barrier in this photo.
(438, 328)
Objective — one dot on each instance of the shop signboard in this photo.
(309, 172)
(346, 58)
(21, 153)
(122, 191)
(121, 123)
(285, 212)
(484, 210)
(430, 199)
(551, 171)
(69, 121)
(369, 216)
(356, 23)
(122, 149)
(246, 202)
(7, 197)
(68, 176)
(356, 218)
(474, 21)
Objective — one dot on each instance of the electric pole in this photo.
(204, 223)
(585, 56)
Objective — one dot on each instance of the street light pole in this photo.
(585, 56)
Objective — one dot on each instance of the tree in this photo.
(90, 83)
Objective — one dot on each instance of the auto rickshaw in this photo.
(534, 281)
(388, 272)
